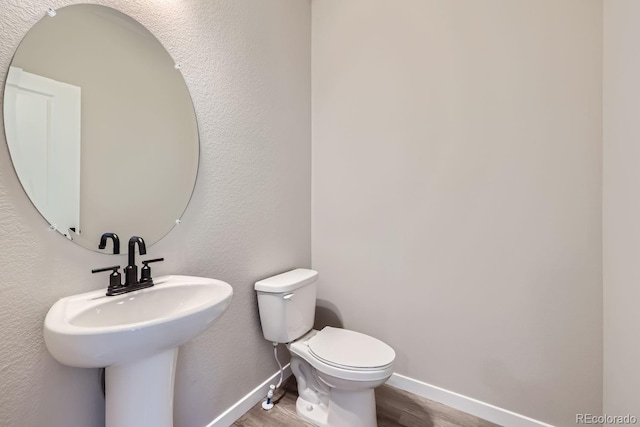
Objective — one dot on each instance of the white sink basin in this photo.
(92, 330)
(136, 337)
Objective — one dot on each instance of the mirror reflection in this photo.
(100, 126)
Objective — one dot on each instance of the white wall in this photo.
(621, 214)
(247, 65)
(457, 192)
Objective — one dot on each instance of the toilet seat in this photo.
(351, 350)
(300, 347)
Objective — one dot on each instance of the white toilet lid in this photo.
(350, 349)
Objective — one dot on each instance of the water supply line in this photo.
(268, 403)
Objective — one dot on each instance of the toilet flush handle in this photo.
(288, 296)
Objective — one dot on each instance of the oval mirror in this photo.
(100, 126)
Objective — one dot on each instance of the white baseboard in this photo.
(452, 399)
(463, 403)
(243, 405)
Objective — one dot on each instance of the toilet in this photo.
(336, 369)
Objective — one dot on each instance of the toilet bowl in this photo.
(335, 383)
(336, 369)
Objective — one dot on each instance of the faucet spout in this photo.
(131, 270)
(116, 242)
(132, 248)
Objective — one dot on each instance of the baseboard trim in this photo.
(243, 405)
(463, 403)
(452, 399)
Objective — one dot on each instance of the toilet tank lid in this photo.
(287, 282)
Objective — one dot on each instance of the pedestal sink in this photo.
(136, 337)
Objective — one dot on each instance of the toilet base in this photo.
(313, 413)
(346, 409)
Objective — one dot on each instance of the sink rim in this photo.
(62, 312)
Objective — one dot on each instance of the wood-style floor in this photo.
(395, 407)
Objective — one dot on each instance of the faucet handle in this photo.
(115, 269)
(145, 271)
(114, 278)
(149, 261)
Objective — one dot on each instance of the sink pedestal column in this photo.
(140, 393)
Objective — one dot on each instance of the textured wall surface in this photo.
(247, 65)
(457, 191)
(621, 209)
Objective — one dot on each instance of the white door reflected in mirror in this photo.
(43, 133)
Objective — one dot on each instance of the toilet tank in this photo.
(287, 304)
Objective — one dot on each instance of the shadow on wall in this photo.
(399, 408)
(327, 314)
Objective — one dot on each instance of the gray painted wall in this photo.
(457, 192)
(621, 236)
(247, 65)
